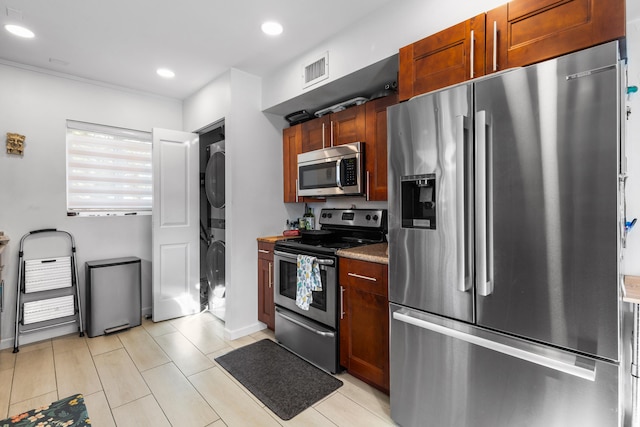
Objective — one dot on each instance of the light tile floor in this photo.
(164, 374)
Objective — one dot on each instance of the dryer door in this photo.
(214, 180)
(215, 264)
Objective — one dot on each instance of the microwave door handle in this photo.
(338, 174)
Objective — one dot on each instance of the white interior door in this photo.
(175, 247)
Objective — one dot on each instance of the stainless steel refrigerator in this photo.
(504, 247)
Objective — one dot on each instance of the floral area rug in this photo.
(67, 412)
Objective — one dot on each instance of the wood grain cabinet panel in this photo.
(448, 57)
(316, 134)
(376, 146)
(364, 323)
(348, 125)
(266, 305)
(291, 147)
(523, 32)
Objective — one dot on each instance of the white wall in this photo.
(210, 104)
(33, 187)
(632, 252)
(254, 207)
(374, 38)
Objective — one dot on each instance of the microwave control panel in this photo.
(349, 172)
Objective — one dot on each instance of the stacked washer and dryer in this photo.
(212, 221)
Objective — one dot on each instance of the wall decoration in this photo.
(15, 143)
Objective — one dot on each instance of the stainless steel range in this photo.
(313, 334)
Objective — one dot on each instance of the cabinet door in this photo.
(316, 134)
(291, 146)
(528, 31)
(451, 56)
(348, 125)
(376, 146)
(266, 308)
(365, 348)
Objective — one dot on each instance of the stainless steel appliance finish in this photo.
(334, 171)
(324, 306)
(314, 334)
(430, 225)
(310, 340)
(451, 380)
(504, 247)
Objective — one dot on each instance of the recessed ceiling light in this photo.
(19, 31)
(166, 73)
(272, 28)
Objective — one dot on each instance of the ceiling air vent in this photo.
(316, 71)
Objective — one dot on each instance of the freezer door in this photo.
(547, 232)
(430, 148)
(448, 373)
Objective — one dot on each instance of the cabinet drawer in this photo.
(265, 251)
(367, 276)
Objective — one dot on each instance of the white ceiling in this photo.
(123, 42)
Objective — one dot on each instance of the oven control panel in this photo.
(367, 218)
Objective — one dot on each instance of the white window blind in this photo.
(108, 170)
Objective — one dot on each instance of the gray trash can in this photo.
(113, 298)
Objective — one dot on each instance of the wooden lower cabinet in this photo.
(266, 306)
(364, 321)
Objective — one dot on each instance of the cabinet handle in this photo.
(262, 251)
(323, 135)
(270, 275)
(495, 45)
(342, 313)
(331, 133)
(372, 279)
(472, 54)
(1, 296)
(297, 197)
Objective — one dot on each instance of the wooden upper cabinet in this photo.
(451, 56)
(523, 32)
(316, 134)
(291, 147)
(334, 129)
(376, 146)
(348, 125)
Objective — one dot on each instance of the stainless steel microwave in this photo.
(334, 171)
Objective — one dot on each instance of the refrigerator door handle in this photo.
(575, 369)
(463, 283)
(484, 248)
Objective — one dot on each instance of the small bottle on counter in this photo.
(309, 219)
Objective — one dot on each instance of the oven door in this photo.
(323, 309)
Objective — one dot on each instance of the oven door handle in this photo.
(293, 256)
(307, 327)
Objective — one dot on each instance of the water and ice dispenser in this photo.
(419, 201)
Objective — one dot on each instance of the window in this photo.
(108, 170)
